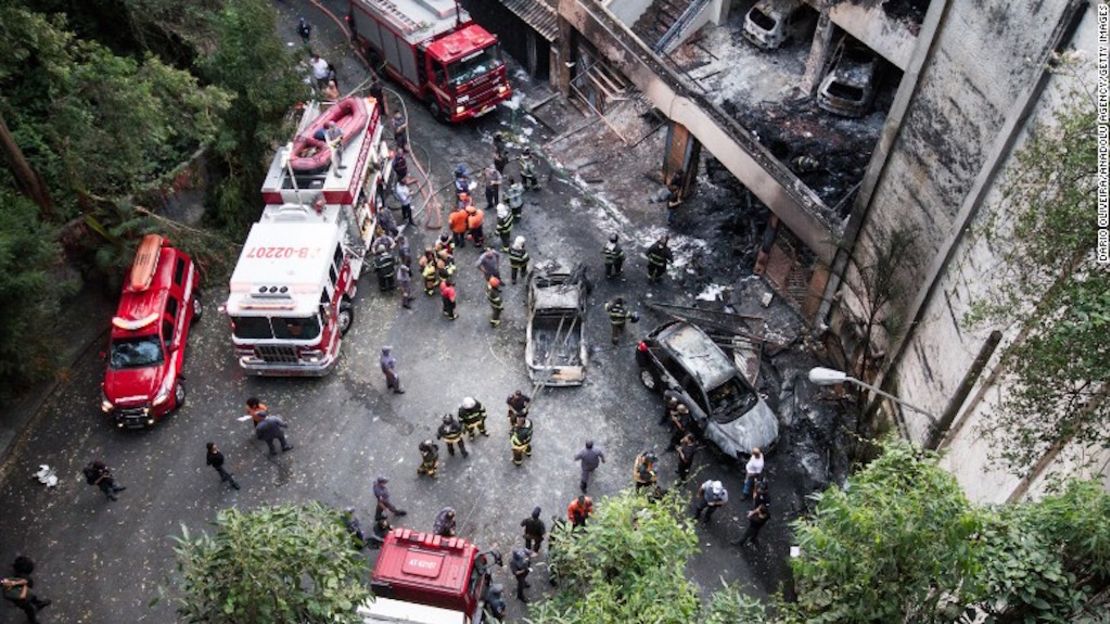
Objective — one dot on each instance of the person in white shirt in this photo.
(754, 470)
(404, 197)
(320, 71)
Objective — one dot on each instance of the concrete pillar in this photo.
(564, 71)
(819, 53)
(681, 153)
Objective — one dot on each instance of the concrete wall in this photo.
(892, 39)
(627, 11)
(967, 116)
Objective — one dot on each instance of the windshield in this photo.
(730, 400)
(478, 64)
(136, 352)
(264, 328)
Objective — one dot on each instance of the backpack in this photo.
(91, 474)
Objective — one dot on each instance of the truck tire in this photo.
(437, 112)
(179, 395)
(346, 317)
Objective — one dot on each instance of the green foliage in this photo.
(629, 567)
(90, 121)
(1050, 286)
(250, 61)
(730, 605)
(894, 545)
(273, 564)
(29, 294)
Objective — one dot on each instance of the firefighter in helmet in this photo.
(493, 294)
(429, 458)
(619, 317)
(518, 259)
(429, 271)
(473, 416)
(451, 432)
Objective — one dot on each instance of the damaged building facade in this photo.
(856, 123)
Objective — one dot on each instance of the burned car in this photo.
(849, 87)
(555, 348)
(680, 357)
(771, 24)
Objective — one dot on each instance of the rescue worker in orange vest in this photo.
(458, 222)
(521, 439)
(474, 219)
(257, 410)
(429, 271)
(579, 510)
(493, 294)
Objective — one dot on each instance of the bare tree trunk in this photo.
(28, 180)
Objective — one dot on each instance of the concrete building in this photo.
(961, 85)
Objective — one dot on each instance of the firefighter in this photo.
(504, 225)
(457, 221)
(447, 295)
(515, 196)
(500, 153)
(519, 404)
(680, 420)
(518, 259)
(385, 266)
(619, 317)
(493, 294)
(429, 271)
(521, 439)
(444, 245)
(447, 266)
(474, 218)
(614, 257)
(472, 415)
(674, 201)
(659, 256)
(404, 284)
(643, 471)
(451, 432)
(429, 458)
(528, 170)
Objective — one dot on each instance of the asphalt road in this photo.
(103, 563)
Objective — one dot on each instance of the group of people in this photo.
(469, 421)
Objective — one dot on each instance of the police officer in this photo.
(528, 170)
(521, 439)
(429, 458)
(518, 259)
(659, 256)
(472, 415)
(619, 317)
(451, 432)
(404, 283)
(520, 565)
(493, 294)
(504, 227)
(385, 266)
(614, 257)
(519, 404)
(495, 602)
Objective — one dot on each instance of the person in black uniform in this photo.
(451, 432)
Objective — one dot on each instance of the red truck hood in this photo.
(132, 385)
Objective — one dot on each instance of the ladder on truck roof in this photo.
(391, 9)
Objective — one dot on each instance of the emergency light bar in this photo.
(133, 324)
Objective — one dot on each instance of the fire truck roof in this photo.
(463, 42)
(425, 568)
(418, 20)
(283, 268)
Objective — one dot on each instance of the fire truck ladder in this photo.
(391, 9)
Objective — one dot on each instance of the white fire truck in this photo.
(292, 289)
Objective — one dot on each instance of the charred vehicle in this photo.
(849, 87)
(680, 357)
(556, 339)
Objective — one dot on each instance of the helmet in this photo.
(612, 238)
(682, 409)
(460, 169)
(494, 282)
(446, 418)
(469, 403)
(519, 242)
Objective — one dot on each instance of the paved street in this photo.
(103, 563)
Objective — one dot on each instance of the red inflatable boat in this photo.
(312, 154)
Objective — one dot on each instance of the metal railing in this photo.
(679, 25)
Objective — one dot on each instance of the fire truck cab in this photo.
(146, 347)
(421, 578)
(291, 292)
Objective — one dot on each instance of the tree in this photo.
(273, 564)
(1052, 292)
(894, 545)
(628, 567)
(29, 293)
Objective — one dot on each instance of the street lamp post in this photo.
(831, 377)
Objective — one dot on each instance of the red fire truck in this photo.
(292, 288)
(434, 50)
(421, 578)
(146, 349)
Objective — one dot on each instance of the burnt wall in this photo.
(512, 31)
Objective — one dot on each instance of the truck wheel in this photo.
(346, 317)
(198, 309)
(179, 395)
(437, 112)
(649, 380)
